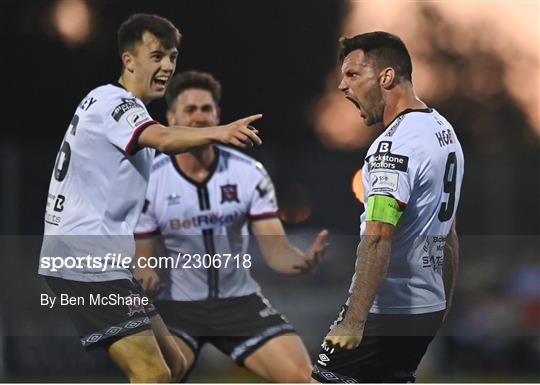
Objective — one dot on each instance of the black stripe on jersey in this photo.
(200, 197)
(211, 170)
(204, 197)
(213, 273)
(204, 204)
(406, 111)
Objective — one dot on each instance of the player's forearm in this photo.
(281, 256)
(144, 249)
(450, 266)
(176, 139)
(373, 258)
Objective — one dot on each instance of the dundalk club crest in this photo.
(229, 193)
(136, 305)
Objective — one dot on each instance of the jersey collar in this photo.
(406, 111)
(211, 171)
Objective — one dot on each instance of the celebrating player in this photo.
(412, 177)
(201, 203)
(97, 193)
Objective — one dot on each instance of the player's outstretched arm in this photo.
(280, 254)
(372, 260)
(175, 139)
(146, 276)
(450, 266)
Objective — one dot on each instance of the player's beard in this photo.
(374, 110)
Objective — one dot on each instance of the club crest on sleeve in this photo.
(229, 193)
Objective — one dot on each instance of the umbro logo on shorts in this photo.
(323, 359)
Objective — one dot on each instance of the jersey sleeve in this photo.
(147, 224)
(125, 123)
(391, 171)
(263, 202)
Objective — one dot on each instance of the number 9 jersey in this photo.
(418, 162)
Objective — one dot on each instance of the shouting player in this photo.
(201, 203)
(412, 177)
(97, 192)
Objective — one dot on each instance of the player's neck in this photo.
(197, 163)
(130, 85)
(401, 99)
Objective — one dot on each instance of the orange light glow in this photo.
(358, 186)
(506, 29)
(72, 20)
(294, 203)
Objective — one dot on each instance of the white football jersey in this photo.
(210, 218)
(98, 185)
(417, 160)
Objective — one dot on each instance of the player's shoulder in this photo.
(231, 158)
(108, 97)
(410, 123)
(415, 129)
(110, 91)
(234, 155)
(160, 161)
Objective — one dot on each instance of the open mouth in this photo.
(160, 81)
(353, 101)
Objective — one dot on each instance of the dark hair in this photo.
(385, 49)
(131, 31)
(192, 79)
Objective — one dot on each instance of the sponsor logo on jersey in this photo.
(125, 106)
(173, 199)
(53, 219)
(137, 118)
(229, 193)
(383, 181)
(204, 220)
(384, 159)
(392, 130)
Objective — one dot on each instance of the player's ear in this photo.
(127, 62)
(387, 78)
(171, 119)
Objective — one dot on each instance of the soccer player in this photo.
(412, 176)
(97, 192)
(201, 202)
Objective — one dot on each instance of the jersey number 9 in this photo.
(449, 182)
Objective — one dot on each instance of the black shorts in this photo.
(100, 324)
(237, 326)
(390, 351)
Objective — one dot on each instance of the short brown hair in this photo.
(383, 48)
(131, 31)
(192, 79)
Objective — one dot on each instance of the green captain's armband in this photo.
(383, 208)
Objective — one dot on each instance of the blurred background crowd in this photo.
(476, 63)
